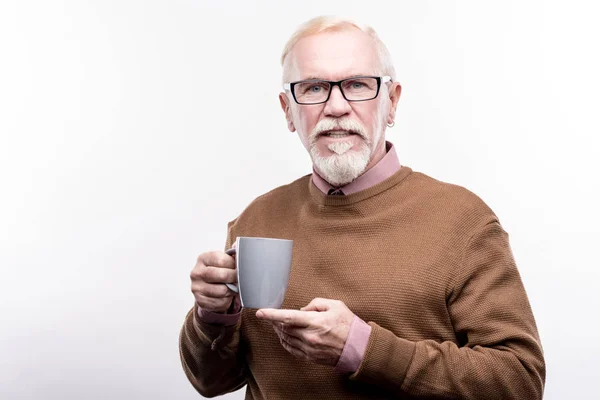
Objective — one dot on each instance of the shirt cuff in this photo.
(229, 319)
(355, 346)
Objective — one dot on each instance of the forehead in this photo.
(334, 56)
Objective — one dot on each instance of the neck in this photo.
(378, 154)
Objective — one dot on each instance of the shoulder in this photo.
(276, 201)
(455, 205)
(282, 194)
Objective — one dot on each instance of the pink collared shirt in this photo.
(358, 336)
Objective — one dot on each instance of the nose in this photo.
(337, 106)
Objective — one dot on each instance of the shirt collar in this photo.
(386, 167)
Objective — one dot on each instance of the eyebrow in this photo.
(314, 77)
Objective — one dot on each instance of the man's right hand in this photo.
(213, 269)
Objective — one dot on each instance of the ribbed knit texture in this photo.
(425, 263)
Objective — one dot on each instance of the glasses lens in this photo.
(360, 88)
(311, 91)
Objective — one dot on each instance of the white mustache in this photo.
(331, 124)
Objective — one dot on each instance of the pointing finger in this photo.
(290, 317)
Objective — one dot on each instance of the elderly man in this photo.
(402, 286)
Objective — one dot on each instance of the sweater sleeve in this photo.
(499, 355)
(209, 356)
(210, 353)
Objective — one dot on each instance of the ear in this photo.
(285, 106)
(395, 91)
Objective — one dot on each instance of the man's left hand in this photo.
(316, 333)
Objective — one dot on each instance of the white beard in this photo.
(344, 166)
(340, 147)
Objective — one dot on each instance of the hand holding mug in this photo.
(214, 269)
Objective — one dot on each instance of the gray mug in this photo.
(263, 270)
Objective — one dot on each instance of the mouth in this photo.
(337, 134)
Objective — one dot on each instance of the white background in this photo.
(132, 131)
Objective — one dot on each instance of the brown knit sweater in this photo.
(425, 263)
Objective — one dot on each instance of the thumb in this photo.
(318, 304)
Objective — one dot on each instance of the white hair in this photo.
(335, 24)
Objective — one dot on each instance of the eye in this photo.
(313, 88)
(357, 85)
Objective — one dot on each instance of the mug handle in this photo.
(231, 286)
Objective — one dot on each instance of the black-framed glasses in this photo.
(317, 91)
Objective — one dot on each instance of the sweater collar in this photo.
(325, 200)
